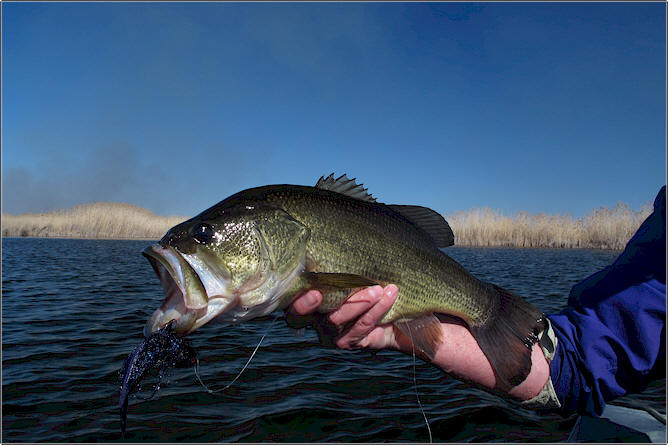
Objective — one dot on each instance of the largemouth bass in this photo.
(258, 249)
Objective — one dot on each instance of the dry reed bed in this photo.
(603, 228)
(95, 220)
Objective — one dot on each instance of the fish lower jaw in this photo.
(187, 320)
(215, 307)
(160, 318)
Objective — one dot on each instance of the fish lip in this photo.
(166, 259)
(159, 257)
(174, 306)
(165, 263)
(214, 279)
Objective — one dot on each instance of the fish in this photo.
(257, 250)
(160, 351)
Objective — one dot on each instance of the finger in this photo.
(327, 332)
(300, 313)
(356, 305)
(308, 302)
(354, 337)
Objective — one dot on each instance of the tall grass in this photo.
(603, 228)
(95, 220)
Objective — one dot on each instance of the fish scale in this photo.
(423, 274)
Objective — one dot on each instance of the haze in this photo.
(537, 107)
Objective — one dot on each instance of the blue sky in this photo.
(554, 107)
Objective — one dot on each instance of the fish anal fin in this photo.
(424, 332)
(325, 281)
(507, 338)
(429, 221)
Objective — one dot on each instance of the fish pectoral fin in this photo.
(423, 332)
(324, 281)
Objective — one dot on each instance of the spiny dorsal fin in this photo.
(428, 220)
(345, 186)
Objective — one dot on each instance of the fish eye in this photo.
(202, 233)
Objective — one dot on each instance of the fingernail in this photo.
(376, 291)
(310, 299)
(391, 290)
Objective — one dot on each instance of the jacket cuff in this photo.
(547, 398)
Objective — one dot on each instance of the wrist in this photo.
(460, 355)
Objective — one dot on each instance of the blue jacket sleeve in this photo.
(612, 335)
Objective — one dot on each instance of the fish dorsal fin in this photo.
(345, 186)
(428, 220)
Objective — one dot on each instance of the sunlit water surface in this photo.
(72, 310)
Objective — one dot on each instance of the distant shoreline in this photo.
(66, 237)
(140, 239)
(113, 221)
(603, 228)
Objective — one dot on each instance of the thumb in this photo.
(308, 302)
(299, 314)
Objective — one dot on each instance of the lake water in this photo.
(72, 310)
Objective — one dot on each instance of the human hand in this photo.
(355, 324)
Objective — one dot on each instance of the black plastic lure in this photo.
(160, 351)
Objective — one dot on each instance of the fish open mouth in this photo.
(193, 293)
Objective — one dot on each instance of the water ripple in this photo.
(73, 309)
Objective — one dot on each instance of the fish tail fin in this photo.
(508, 336)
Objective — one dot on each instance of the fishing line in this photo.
(415, 385)
(197, 363)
